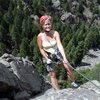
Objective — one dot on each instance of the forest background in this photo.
(19, 27)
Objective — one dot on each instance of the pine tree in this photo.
(14, 52)
(65, 5)
(15, 31)
(9, 16)
(35, 51)
(24, 28)
(36, 56)
(24, 48)
(2, 48)
(79, 53)
(3, 31)
(92, 39)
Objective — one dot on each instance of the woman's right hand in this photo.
(49, 61)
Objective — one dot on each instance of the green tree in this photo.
(27, 27)
(24, 48)
(35, 51)
(2, 48)
(92, 39)
(9, 16)
(79, 53)
(16, 29)
(15, 52)
(3, 31)
(36, 56)
(71, 56)
(65, 5)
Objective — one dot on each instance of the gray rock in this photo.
(87, 91)
(91, 59)
(18, 75)
(56, 3)
(22, 96)
(68, 17)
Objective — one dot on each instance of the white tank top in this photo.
(49, 45)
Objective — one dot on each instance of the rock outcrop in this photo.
(19, 79)
(87, 91)
(91, 59)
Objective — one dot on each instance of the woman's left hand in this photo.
(65, 61)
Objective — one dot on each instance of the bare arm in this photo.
(60, 46)
(39, 41)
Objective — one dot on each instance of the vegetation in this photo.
(18, 30)
(91, 74)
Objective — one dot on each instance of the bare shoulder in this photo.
(39, 36)
(56, 33)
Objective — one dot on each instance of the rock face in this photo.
(71, 16)
(19, 78)
(87, 91)
(91, 59)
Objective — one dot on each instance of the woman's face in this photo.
(47, 25)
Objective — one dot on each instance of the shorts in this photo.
(49, 67)
(56, 58)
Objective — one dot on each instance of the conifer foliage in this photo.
(18, 30)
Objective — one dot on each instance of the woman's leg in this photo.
(54, 80)
(70, 74)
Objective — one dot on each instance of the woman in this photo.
(51, 49)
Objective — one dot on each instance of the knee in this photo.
(69, 72)
(52, 74)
